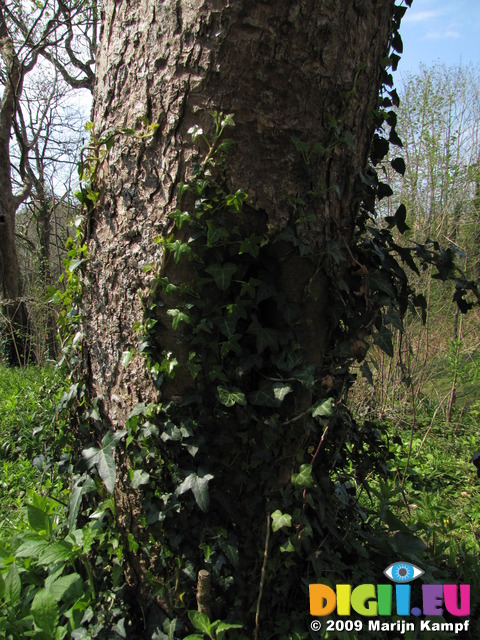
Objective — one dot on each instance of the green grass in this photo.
(428, 511)
(27, 414)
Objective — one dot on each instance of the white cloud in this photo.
(422, 16)
(445, 34)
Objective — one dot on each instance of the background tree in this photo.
(251, 355)
(30, 32)
(438, 121)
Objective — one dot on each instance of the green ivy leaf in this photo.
(230, 397)
(126, 357)
(198, 485)
(304, 477)
(280, 520)
(324, 408)
(139, 477)
(222, 274)
(280, 391)
(216, 234)
(104, 458)
(178, 317)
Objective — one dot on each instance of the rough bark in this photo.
(284, 69)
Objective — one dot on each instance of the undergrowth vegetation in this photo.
(424, 508)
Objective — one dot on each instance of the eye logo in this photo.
(403, 572)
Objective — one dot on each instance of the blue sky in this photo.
(440, 30)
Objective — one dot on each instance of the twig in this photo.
(262, 580)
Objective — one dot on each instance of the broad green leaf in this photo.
(2, 586)
(71, 584)
(31, 548)
(280, 520)
(200, 621)
(287, 547)
(230, 397)
(79, 490)
(198, 485)
(13, 586)
(38, 519)
(45, 611)
(56, 552)
(304, 477)
(222, 627)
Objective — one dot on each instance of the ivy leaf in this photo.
(104, 458)
(280, 390)
(237, 199)
(198, 485)
(399, 165)
(216, 234)
(222, 274)
(178, 317)
(139, 477)
(230, 397)
(380, 148)
(383, 339)
(324, 408)
(384, 190)
(126, 357)
(280, 520)
(45, 612)
(251, 245)
(398, 220)
(304, 477)
(270, 394)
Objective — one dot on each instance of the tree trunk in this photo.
(283, 69)
(16, 329)
(293, 74)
